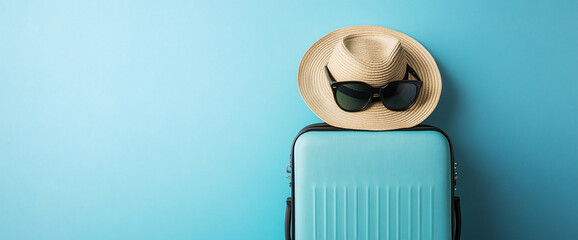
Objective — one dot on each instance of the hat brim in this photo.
(317, 93)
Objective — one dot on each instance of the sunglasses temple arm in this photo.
(412, 72)
(330, 78)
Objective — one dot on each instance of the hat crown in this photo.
(372, 58)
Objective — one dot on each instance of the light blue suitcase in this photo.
(383, 185)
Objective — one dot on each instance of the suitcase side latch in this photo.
(455, 175)
(288, 170)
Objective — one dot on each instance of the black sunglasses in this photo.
(354, 96)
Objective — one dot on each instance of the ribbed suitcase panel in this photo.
(354, 212)
(374, 192)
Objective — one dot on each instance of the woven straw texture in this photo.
(375, 55)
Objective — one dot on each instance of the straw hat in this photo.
(375, 55)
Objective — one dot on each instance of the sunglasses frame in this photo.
(376, 90)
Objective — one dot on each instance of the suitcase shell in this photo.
(350, 184)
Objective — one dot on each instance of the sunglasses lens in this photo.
(399, 96)
(353, 96)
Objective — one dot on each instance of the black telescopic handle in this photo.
(458, 212)
(288, 214)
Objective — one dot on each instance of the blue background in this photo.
(174, 119)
